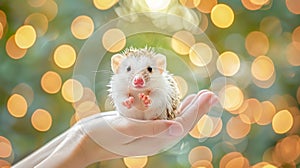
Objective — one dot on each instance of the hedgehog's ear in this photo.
(116, 60)
(161, 62)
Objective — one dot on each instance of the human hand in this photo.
(129, 137)
(109, 135)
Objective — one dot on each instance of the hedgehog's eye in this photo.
(149, 69)
(128, 68)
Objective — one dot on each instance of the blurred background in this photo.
(250, 57)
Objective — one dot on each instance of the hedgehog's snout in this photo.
(138, 81)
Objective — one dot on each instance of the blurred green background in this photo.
(260, 124)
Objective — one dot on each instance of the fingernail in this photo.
(175, 130)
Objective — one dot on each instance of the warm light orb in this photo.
(200, 54)
(222, 16)
(17, 105)
(182, 41)
(72, 90)
(25, 36)
(228, 157)
(82, 27)
(135, 162)
(104, 4)
(249, 5)
(259, 2)
(157, 5)
(6, 148)
(293, 6)
(205, 126)
(236, 128)
(268, 112)
(41, 120)
(200, 153)
(231, 97)
(262, 68)
(190, 3)
(51, 82)
(228, 63)
(205, 6)
(114, 40)
(50, 9)
(257, 43)
(282, 122)
(13, 50)
(64, 56)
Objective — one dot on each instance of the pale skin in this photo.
(108, 135)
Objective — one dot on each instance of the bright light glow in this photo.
(156, 5)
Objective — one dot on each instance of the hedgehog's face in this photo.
(143, 72)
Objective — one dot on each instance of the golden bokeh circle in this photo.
(282, 122)
(6, 148)
(257, 43)
(231, 97)
(182, 41)
(39, 21)
(72, 90)
(82, 27)
(236, 128)
(200, 153)
(25, 36)
(135, 162)
(228, 63)
(222, 16)
(205, 6)
(64, 56)
(13, 50)
(104, 4)
(114, 40)
(200, 54)
(17, 105)
(262, 68)
(51, 82)
(41, 120)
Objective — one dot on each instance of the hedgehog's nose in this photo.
(138, 81)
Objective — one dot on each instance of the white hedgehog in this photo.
(141, 87)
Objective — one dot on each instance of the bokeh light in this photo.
(200, 153)
(5, 146)
(114, 40)
(268, 112)
(207, 5)
(222, 16)
(231, 97)
(182, 41)
(104, 4)
(250, 6)
(282, 122)
(17, 105)
(271, 25)
(64, 56)
(136, 162)
(51, 82)
(190, 3)
(41, 120)
(82, 27)
(237, 128)
(293, 6)
(200, 54)
(262, 68)
(25, 36)
(72, 90)
(228, 63)
(13, 50)
(257, 43)
(292, 54)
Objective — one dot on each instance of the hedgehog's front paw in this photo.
(128, 102)
(145, 98)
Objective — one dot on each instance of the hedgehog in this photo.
(141, 87)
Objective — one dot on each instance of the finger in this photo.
(142, 128)
(186, 102)
(196, 109)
